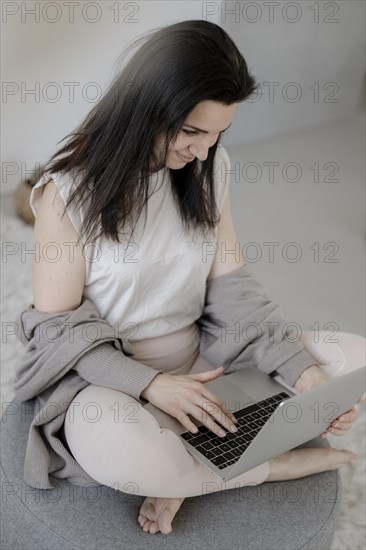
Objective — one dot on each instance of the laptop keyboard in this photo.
(225, 451)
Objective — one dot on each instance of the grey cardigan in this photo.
(60, 360)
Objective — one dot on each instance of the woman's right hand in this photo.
(180, 395)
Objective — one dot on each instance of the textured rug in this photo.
(16, 279)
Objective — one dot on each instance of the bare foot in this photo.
(157, 514)
(304, 462)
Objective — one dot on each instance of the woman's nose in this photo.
(201, 153)
(200, 148)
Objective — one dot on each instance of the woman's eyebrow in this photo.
(204, 131)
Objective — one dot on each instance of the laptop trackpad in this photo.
(232, 395)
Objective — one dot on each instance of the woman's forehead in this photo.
(211, 116)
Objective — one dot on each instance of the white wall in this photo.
(321, 52)
(48, 56)
(73, 49)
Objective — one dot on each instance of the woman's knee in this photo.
(337, 352)
(100, 420)
(117, 441)
(95, 407)
(353, 347)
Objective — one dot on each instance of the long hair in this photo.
(112, 150)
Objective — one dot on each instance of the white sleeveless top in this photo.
(157, 284)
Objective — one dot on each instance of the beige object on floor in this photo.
(21, 201)
(22, 195)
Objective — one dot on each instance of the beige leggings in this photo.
(121, 445)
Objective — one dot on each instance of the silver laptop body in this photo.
(295, 420)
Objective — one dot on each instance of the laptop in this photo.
(272, 419)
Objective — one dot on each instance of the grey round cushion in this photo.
(286, 515)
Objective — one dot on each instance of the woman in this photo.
(160, 122)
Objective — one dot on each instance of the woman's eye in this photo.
(190, 132)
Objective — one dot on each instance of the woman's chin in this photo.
(175, 165)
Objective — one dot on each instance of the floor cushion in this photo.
(283, 515)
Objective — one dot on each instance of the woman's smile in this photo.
(182, 158)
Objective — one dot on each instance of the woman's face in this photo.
(199, 132)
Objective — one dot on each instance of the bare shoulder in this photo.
(59, 265)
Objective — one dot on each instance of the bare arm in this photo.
(57, 285)
(227, 240)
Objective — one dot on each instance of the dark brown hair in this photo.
(112, 150)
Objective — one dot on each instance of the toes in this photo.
(146, 523)
(153, 527)
(157, 514)
(165, 522)
(142, 520)
(150, 527)
(146, 526)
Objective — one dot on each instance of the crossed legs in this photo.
(121, 445)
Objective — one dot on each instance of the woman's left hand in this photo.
(311, 378)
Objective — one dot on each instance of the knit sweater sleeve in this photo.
(106, 366)
(57, 343)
